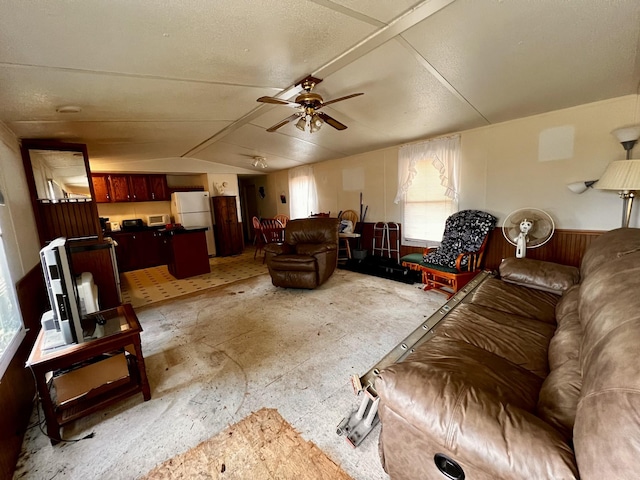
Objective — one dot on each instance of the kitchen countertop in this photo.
(179, 231)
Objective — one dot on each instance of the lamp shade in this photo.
(622, 175)
(627, 134)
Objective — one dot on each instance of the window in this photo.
(427, 188)
(11, 330)
(426, 207)
(303, 193)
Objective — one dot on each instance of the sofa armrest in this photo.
(473, 426)
(314, 249)
(278, 248)
(538, 274)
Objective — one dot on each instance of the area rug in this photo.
(262, 446)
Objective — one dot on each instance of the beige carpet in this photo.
(262, 446)
(215, 356)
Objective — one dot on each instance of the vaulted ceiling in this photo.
(181, 78)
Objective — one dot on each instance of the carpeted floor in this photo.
(260, 446)
(216, 356)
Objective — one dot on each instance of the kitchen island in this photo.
(187, 251)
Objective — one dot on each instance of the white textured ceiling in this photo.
(170, 79)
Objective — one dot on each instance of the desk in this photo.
(61, 371)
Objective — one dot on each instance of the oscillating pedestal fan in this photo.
(527, 228)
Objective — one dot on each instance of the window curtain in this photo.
(302, 191)
(444, 154)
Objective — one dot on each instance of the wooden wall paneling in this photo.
(566, 247)
(69, 219)
(17, 388)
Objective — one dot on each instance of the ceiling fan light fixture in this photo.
(315, 124)
(301, 124)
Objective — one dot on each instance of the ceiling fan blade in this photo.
(290, 118)
(331, 121)
(278, 101)
(335, 100)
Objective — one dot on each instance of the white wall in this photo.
(502, 169)
(16, 217)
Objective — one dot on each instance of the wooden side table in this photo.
(66, 377)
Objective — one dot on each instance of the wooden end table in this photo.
(116, 352)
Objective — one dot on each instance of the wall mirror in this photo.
(58, 176)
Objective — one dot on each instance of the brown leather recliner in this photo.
(308, 256)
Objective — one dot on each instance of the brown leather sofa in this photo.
(531, 379)
(308, 256)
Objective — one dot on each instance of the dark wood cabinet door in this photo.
(158, 187)
(227, 230)
(150, 249)
(139, 188)
(119, 188)
(125, 255)
(101, 187)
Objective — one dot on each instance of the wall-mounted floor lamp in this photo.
(623, 175)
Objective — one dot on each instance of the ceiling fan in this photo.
(309, 103)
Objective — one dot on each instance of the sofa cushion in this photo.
(515, 299)
(546, 276)
(312, 230)
(559, 397)
(568, 304)
(608, 247)
(519, 340)
(479, 368)
(566, 342)
(600, 311)
(608, 414)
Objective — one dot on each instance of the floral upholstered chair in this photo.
(458, 259)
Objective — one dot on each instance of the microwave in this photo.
(159, 220)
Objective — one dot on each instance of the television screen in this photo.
(62, 325)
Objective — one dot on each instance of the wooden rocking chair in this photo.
(448, 268)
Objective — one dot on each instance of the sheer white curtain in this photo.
(302, 192)
(427, 188)
(444, 154)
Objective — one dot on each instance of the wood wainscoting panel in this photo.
(17, 388)
(565, 247)
(69, 219)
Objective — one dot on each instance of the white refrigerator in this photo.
(191, 209)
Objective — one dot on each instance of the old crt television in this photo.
(62, 323)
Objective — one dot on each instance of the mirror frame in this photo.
(38, 144)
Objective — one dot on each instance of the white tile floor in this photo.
(150, 285)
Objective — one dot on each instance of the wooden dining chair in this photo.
(257, 236)
(282, 218)
(271, 231)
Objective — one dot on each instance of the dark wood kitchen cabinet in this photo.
(139, 188)
(101, 188)
(121, 187)
(142, 249)
(158, 188)
(227, 229)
